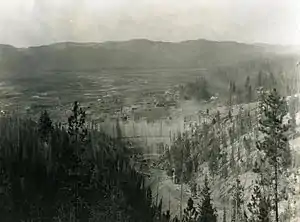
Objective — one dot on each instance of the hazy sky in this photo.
(36, 22)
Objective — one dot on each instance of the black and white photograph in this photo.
(149, 111)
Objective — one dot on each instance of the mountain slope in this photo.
(138, 53)
(221, 186)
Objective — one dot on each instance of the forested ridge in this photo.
(247, 156)
(55, 173)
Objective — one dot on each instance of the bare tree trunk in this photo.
(181, 186)
(169, 200)
(276, 193)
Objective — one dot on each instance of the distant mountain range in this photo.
(139, 53)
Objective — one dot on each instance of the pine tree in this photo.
(238, 201)
(231, 133)
(232, 156)
(247, 145)
(45, 126)
(223, 155)
(207, 213)
(272, 81)
(159, 210)
(259, 205)
(224, 161)
(233, 87)
(203, 86)
(76, 123)
(292, 112)
(118, 130)
(232, 92)
(249, 122)
(275, 144)
(214, 156)
(213, 122)
(288, 90)
(264, 209)
(224, 215)
(249, 94)
(149, 197)
(241, 121)
(230, 115)
(190, 213)
(218, 117)
(260, 80)
(175, 219)
(247, 83)
(194, 189)
(248, 90)
(233, 216)
(166, 217)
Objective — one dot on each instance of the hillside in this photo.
(48, 174)
(132, 54)
(241, 155)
